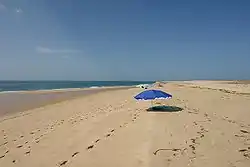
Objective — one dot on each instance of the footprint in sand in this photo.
(242, 150)
(190, 112)
(75, 154)
(246, 152)
(2, 156)
(97, 140)
(168, 149)
(192, 147)
(244, 131)
(239, 135)
(27, 152)
(90, 147)
(107, 135)
(201, 134)
(4, 143)
(62, 163)
(73, 122)
(247, 155)
(193, 141)
(19, 146)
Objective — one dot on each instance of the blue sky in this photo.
(124, 39)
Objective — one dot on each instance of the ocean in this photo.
(48, 85)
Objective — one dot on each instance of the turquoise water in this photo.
(47, 85)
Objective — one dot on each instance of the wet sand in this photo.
(21, 101)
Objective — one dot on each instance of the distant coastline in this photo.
(7, 86)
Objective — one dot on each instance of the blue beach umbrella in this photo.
(152, 95)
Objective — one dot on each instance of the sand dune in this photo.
(112, 129)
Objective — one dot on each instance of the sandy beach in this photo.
(12, 102)
(109, 128)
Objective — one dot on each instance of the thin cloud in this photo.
(46, 50)
(18, 10)
(2, 7)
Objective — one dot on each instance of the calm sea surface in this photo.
(47, 85)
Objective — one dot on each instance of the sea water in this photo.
(48, 85)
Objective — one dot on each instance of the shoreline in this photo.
(20, 101)
(61, 89)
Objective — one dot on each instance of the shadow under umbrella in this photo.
(164, 108)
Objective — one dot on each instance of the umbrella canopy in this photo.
(152, 94)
